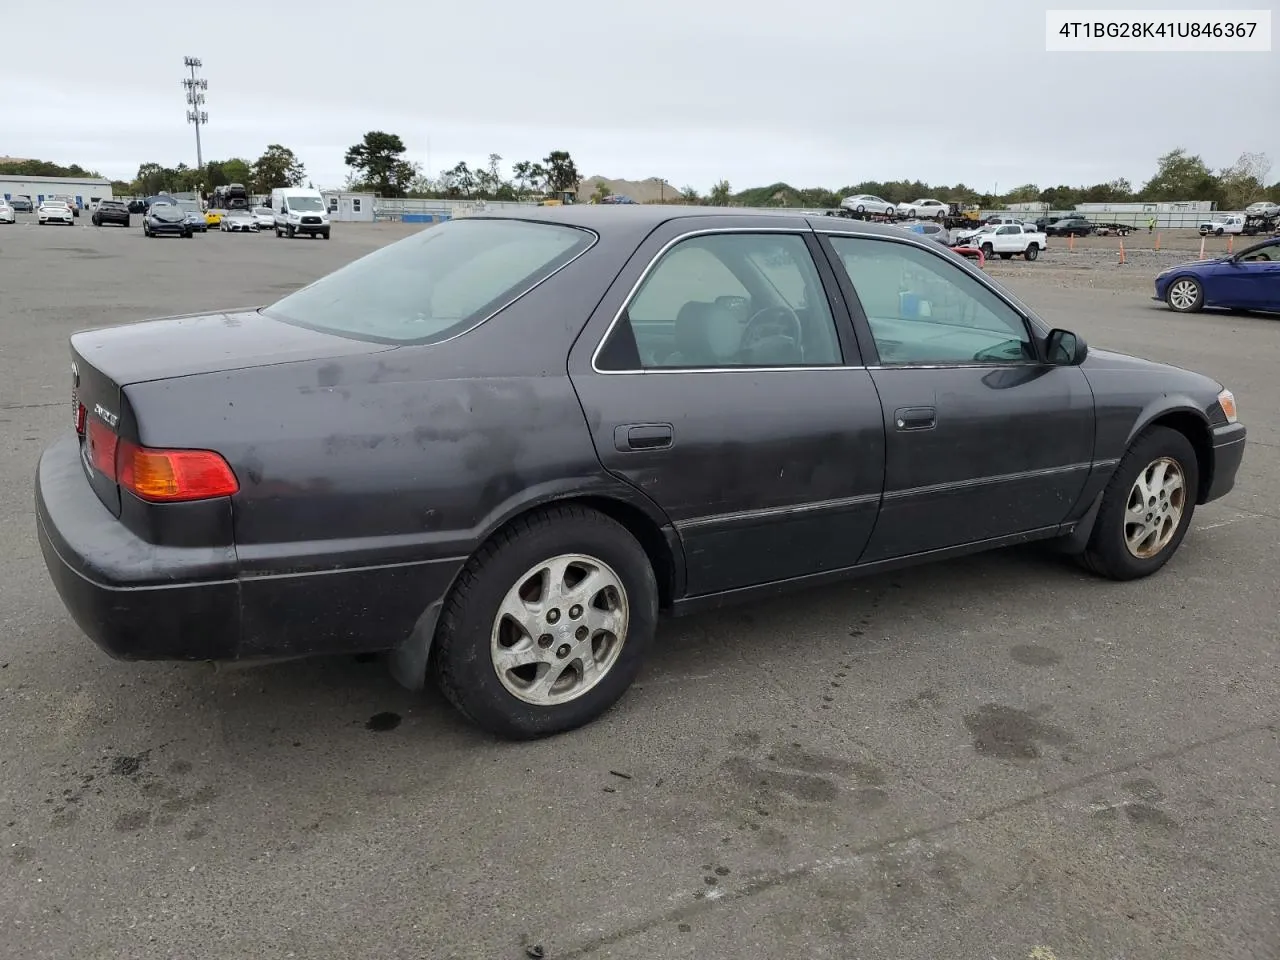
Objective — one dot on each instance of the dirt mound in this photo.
(652, 190)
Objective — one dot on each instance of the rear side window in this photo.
(435, 284)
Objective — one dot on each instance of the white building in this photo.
(85, 190)
(348, 206)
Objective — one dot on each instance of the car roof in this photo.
(638, 220)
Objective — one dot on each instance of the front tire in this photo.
(987, 250)
(547, 625)
(1185, 295)
(1146, 507)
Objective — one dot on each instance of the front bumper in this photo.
(141, 601)
(310, 227)
(1228, 452)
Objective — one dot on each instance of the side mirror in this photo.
(1066, 349)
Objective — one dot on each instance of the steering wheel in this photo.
(777, 321)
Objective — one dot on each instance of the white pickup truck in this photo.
(1012, 239)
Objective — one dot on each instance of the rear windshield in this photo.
(434, 284)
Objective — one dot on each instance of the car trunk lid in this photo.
(105, 362)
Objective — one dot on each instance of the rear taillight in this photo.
(160, 476)
(167, 476)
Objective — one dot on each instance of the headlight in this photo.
(1227, 401)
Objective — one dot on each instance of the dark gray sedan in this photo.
(499, 447)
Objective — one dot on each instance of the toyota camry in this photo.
(498, 448)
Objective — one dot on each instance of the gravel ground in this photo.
(994, 758)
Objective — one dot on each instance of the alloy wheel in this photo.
(1183, 294)
(559, 629)
(1154, 510)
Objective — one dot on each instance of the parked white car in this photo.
(55, 211)
(7, 213)
(238, 221)
(867, 203)
(924, 209)
(1013, 240)
(1223, 223)
(264, 217)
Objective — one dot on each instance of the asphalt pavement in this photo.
(1002, 757)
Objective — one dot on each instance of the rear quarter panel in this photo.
(410, 454)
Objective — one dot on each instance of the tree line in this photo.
(377, 164)
(1179, 175)
(277, 167)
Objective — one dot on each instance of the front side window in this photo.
(434, 284)
(923, 309)
(727, 300)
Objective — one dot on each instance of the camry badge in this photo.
(110, 418)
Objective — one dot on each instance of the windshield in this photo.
(436, 283)
(304, 204)
(189, 205)
(167, 211)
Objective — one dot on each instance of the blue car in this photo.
(1248, 280)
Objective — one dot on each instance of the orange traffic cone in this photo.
(1231, 243)
(1157, 241)
(1071, 243)
(1122, 251)
(1202, 248)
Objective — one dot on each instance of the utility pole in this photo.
(195, 101)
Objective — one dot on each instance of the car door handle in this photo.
(915, 418)
(643, 436)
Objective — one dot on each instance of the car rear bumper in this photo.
(141, 601)
(136, 600)
(1228, 452)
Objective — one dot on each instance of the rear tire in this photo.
(474, 636)
(1032, 252)
(1141, 524)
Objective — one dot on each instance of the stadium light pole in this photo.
(195, 87)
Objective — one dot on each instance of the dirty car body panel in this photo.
(368, 469)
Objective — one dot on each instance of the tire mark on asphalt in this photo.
(805, 870)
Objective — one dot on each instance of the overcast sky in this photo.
(812, 92)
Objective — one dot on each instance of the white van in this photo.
(299, 210)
